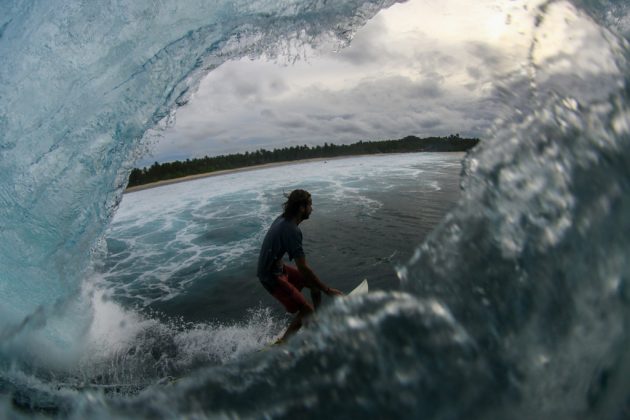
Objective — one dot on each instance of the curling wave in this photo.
(516, 306)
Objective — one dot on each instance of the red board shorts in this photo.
(287, 289)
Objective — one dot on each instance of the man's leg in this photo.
(299, 282)
(287, 291)
(296, 324)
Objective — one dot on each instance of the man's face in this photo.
(307, 210)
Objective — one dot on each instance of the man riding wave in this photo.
(285, 282)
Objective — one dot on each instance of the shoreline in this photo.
(251, 168)
(230, 171)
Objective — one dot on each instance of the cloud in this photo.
(370, 47)
(474, 72)
(327, 116)
(379, 108)
(491, 57)
(429, 122)
(267, 113)
(404, 73)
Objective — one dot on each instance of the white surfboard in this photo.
(361, 289)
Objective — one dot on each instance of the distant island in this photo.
(410, 144)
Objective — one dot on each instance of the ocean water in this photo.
(190, 250)
(514, 306)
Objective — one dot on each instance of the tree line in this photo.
(409, 144)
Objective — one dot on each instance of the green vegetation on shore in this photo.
(409, 144)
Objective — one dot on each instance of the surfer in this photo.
(285, 282)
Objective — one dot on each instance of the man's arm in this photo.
(313, 280)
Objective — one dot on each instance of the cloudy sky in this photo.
(424, 67)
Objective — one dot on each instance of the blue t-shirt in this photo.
(283, 237)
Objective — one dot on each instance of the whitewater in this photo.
(514, 306)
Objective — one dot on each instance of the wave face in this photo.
(81, 85)
(515, 307)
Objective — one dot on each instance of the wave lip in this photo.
(82, 85)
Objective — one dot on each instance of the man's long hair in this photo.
(295, 200)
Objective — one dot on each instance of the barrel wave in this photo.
(516, 306)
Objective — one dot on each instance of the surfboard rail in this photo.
(361, 289)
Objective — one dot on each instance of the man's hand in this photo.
(333, 292)
(312, 280)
